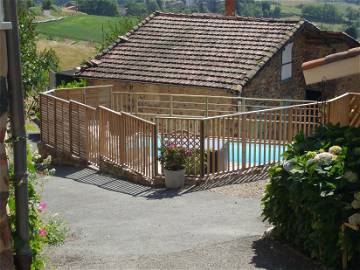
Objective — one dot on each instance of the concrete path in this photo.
(119, 225)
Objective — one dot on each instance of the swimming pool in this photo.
(232, 151)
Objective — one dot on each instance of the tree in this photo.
(352, 31)
(99, 7)
(276, 12)
(136, 9)
(46, 4)
(116, 30)
(325, 13)
(35, 65)
(266, 9)
(152, 6)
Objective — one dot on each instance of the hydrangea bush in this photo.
(314, 191)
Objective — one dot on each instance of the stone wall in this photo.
(338, 87)
(163, 101)
(267, 83)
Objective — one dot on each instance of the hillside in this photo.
(71, 54)
(85, 27)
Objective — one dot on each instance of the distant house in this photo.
(334, 74)
(214, 55)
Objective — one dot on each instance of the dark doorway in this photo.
(312, 94)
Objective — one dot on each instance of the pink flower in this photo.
(172, 146)
(42, 232)
(188, 153)
(42, 206)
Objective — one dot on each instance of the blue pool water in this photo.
(256, 154)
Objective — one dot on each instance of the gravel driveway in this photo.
(118, 225)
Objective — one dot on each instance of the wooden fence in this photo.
(90, 95)
(230, 143)
(149, 105)
(219, 144)
(128, 140)
(92, 133)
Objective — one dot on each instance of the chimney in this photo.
(230, 7)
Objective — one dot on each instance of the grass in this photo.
(70, 53)
(83, 27)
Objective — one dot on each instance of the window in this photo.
(286, 62)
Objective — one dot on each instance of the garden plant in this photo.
(45, 228)
(314, 191)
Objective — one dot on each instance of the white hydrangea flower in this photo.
(355, 219)
(351, 176)
(335, 150)
(324, 158)
(288, 165)
(355, 204)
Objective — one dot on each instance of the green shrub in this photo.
(314, 191)
(73, 84)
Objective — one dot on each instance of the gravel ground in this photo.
(246, 190)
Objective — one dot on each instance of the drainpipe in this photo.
(16, 92)
(229, 7)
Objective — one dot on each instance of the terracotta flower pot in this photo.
(174, 179)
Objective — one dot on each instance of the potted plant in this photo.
(173, 160)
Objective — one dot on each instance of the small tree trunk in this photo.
(6, 254)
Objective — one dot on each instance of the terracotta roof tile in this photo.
(198, 50)
(354, 52)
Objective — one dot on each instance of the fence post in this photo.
(83, 95)
(41, 117)
(207, 107)
(171, 105)
(243, 142)
(70, 126)
(55, 133)
(101, 133)
(202, 148)
(155, 150)
(290, 125)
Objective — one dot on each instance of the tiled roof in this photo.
(331, 58)
(195, 50)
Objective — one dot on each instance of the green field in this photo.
(84, 27)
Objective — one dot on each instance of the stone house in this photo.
(215, 55)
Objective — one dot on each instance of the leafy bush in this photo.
(44, 227)
(73, 84)
(314, 191)
(173, 157)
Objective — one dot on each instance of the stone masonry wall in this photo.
(267, 83)
(136, 87)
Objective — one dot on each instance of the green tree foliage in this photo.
(152, 6)
(352, 31)
(257, 9)
(46, 4)
(116, 30)
(35, 65)
(325, 13)
(99, 7)
(135, 8)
